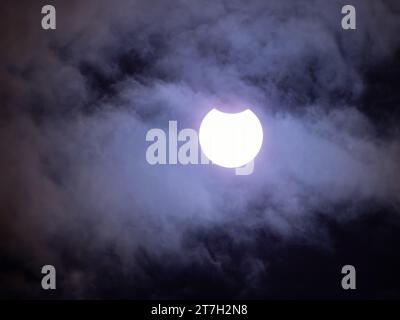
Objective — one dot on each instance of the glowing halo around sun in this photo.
(230, 140)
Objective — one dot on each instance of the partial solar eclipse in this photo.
(230, 140)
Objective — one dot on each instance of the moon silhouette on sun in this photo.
(230, 140)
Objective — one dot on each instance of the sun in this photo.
(230, 140)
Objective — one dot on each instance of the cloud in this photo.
(76, 190)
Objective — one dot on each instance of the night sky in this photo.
(77, 192)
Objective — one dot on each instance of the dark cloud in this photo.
(77, 192)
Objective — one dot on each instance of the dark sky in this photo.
(76, 191)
